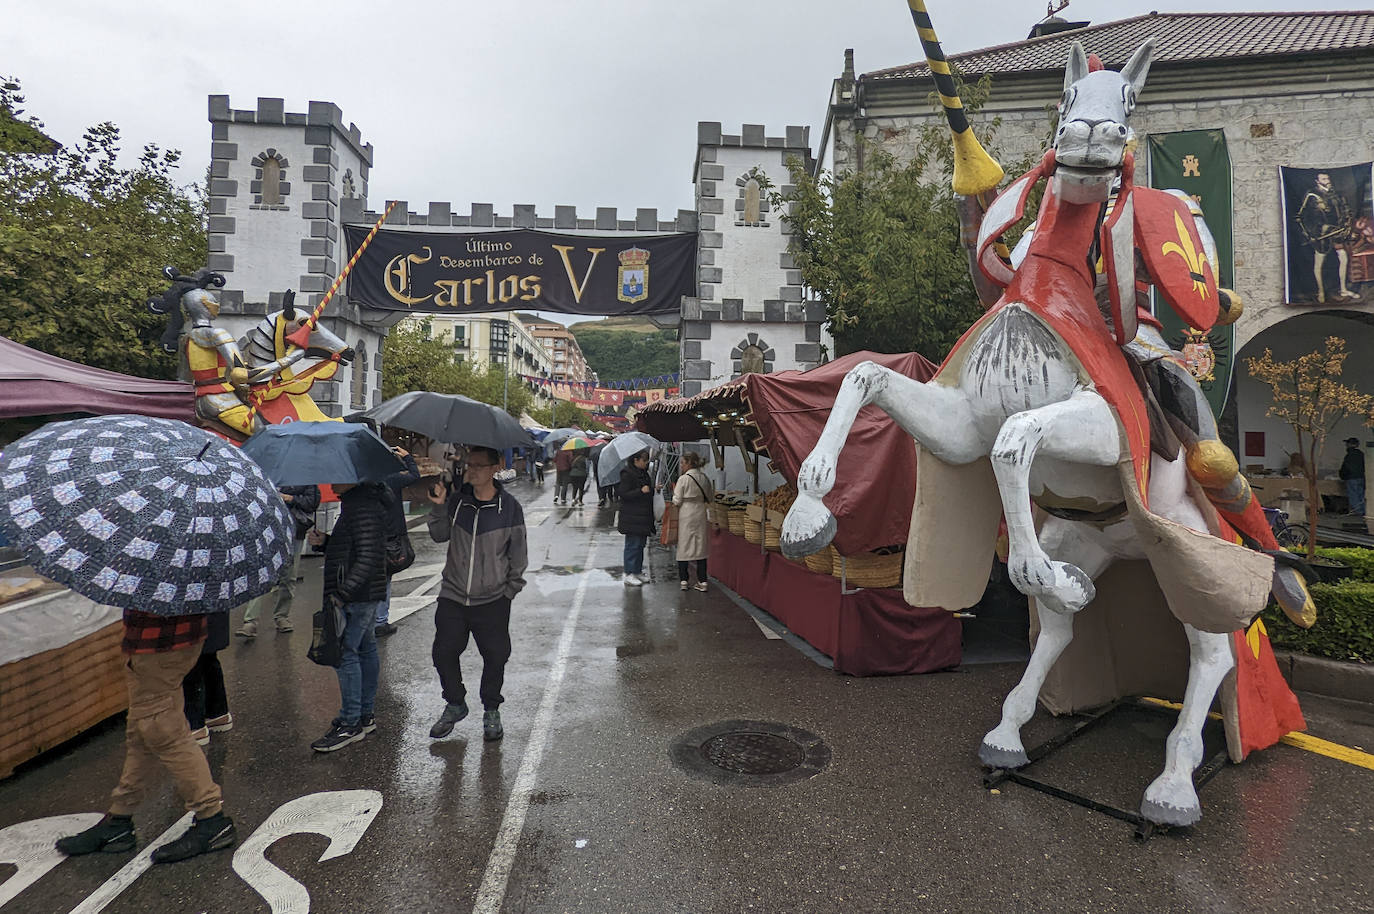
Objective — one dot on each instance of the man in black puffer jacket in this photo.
(355, 577)
(636, 514)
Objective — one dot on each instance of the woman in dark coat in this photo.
(206, 702)
(636, 514)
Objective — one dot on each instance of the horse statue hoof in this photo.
(999, 757)
(1161, 813)
(808, 528)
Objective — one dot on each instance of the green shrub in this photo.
(1345, 620)
(1360, 559)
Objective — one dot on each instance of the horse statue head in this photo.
(269, 340)
(1094, 111)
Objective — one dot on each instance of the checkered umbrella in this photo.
(146, 514)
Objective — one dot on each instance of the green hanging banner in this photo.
(1197, 163)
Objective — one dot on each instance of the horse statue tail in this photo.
(975, 171)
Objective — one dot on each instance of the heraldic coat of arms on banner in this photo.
(634, 275)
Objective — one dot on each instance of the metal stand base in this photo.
(1144, 829)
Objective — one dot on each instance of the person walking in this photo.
(562, 464)
(577, 476)
(355, 580)
(636, 514)
(206, 700)
(303, 502)
(691, 496)
(484, 568)
(159, 652)
(1352, 472)
(395, 526)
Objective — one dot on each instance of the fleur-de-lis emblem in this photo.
(1195, 259)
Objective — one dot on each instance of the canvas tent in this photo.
(33, 383)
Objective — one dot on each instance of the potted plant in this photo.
(1309, 396)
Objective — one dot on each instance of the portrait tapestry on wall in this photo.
(1328, 234)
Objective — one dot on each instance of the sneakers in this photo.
(383, 629)
(249, 630)
(444, 725)
(684, 585)
(338, 737)
(368, 723)
(201, 736)
(221, 724)
(491, 725)
(634, 580)
(111, 835)
(701, 586)
(284, 625)
(213, 833)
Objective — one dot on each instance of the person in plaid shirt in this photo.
(160, 651)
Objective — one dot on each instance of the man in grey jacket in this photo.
(484, 569)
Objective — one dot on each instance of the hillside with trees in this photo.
(620, 348)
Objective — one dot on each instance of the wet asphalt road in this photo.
(897, 821)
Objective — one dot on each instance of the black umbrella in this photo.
(147, 514)
(452, 419)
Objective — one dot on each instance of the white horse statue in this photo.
(1037, 406)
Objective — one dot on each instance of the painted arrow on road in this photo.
(31, 846)
(340, 815)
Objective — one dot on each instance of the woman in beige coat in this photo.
(691, 495)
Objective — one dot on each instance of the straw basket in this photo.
(820, 562)
(772, 538)
(870, 569)
(753, 532)
(715, 513)
(735, 521)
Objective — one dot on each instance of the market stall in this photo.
(845, 601)
(60, 663)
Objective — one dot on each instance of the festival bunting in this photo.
(606, 397)
(655, 395)
(588, 405)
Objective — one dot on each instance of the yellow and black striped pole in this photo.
(974, 170)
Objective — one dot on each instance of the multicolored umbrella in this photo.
(578, 444)
(147, 514)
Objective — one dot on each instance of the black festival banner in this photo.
(539, 271)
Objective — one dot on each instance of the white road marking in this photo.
(29, 846)
(342, 816)
(417, 599)
(491, 894)
(767, 632)
(136, 867)
(418, 571)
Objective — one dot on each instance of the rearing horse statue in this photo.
(1037, 406)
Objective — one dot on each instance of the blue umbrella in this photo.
(312, 453)
(147, 514)
(618, 452)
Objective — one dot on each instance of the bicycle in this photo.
(1289, 536)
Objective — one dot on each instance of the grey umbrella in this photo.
(147, 514)
(453, 419)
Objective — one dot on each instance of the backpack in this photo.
(400, 554)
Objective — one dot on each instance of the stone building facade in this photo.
(1288, 89)
(751, 311)
(276, 180)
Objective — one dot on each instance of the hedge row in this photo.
(1358, 558)
(1345, 622)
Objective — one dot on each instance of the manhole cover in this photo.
(750, 753)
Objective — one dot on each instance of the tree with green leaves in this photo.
(880, 246)
(83, 243)
(414, 360)
(620, 354)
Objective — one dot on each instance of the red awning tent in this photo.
(33, 383)
(781, 416)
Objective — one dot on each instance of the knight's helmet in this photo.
(185, 297)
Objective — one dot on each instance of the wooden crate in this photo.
(51, 697)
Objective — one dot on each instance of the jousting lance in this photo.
(974, 170)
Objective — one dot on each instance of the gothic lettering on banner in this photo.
(484, 271)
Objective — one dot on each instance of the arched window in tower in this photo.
(269, 180)
(752, 355)
(751, 206)
(358, 398)
(751, 360)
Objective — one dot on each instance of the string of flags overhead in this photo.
(597, 395)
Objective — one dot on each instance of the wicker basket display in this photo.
(871, 569)
(772, 538)
(753, 532)
(735, 521)
(820, 562)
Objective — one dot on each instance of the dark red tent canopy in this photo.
(33, 383)
(876, 476)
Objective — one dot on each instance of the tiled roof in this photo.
(1178, 37)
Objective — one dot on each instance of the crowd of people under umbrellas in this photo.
(177, 692)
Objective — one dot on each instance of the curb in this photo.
(1332, 678)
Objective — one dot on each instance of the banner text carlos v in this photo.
(505, 270)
